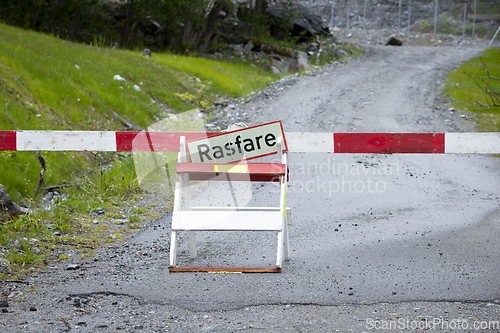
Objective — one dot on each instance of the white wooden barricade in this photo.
(191, 219)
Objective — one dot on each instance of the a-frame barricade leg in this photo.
(188, 218)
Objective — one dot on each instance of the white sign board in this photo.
(243, 144)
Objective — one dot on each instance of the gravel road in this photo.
(417, 250)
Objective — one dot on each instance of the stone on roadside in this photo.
(73, 267)
(99, 210)
(4, 266)
(394, 41)
(4, 303)
(8, 208)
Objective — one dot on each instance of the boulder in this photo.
(305, 23)
(394, 41)
(9, 208)
(302, 61)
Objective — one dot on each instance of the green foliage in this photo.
(135, 218)
(475, 86)
(488, 8)
(447, 26)
(330, 53)
(139, 210)
(108, 22)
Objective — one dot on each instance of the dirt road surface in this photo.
(379, 242)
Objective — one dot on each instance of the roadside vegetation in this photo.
(89, 199)
(475, 86)
(50, 84)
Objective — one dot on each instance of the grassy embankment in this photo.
(469, 88)
(50, 84)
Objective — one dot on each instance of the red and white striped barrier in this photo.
(298, 142)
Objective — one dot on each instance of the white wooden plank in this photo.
(472, 143)
(66, 140)
(302, 142)
(226, 221)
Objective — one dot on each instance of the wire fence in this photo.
(471, 18)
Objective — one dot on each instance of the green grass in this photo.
(235, 79)
(467, 92)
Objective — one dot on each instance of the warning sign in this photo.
(243, 144)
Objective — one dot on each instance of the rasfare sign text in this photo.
(244, 144)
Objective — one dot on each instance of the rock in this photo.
(4, 303)
(18, 245)
(302, 61)
(146, 53)
(4, 266)
(236, 126)
(32, 308)
(119, 78)
(73, 267)
(249, 47)
(394, 41)
(305, 23)
(77, 302)
(275, 70)
(313, 47)
(340, 53)
(136, 87)
(8, 208)
(99, 211)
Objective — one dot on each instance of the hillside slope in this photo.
(50, 84)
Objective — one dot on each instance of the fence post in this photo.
(331, 18)
(474, 20)
(435, 16)
(496, 33)
(465, 17)
(364, 16)
(399, 15)
(409, 15)
(347, 22)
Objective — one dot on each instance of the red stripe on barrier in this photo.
(389, 143)
(155, 141)
(8, 140)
